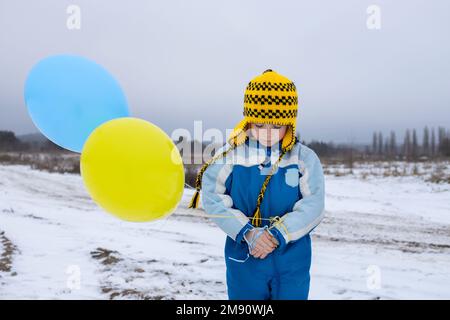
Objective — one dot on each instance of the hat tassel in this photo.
(256, 220)
(194, 201)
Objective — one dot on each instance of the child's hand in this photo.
(262, 246)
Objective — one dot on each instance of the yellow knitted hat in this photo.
(269, 98)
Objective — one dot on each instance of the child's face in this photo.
(267, 134)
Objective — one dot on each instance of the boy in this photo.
(268, 248)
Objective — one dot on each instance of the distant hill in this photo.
(33, 138)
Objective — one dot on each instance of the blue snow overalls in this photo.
(295, 194)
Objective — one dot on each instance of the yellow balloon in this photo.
(132, 169)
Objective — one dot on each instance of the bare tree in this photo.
(426, 142)
(380, 143)
(387, 148)
(374, 143)
(433, 143)
(441, 139)
(444, 144)
(393, 144)
(407, 145)
(415, 146)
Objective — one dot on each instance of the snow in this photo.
(396, 228)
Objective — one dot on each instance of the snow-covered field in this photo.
(382, 238)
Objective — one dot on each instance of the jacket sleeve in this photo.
(309, 211)
(217, 202)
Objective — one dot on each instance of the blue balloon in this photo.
(69, 96)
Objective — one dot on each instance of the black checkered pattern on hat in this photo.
(269, 100)
(269, 86)
(269, 114)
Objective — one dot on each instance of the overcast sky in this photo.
(184, 60)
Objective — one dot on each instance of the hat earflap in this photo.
(239, 134)
(289, 138)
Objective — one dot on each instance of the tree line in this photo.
(10, 143)
(432, 145)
